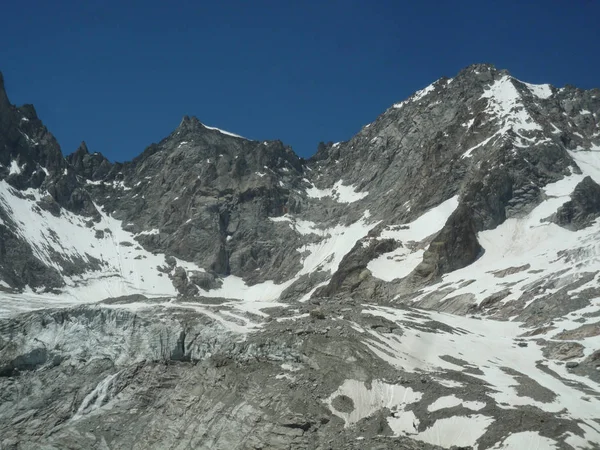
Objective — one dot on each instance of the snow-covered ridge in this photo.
(421, 94)
(227, 133)
(505, 102)
(541, 91)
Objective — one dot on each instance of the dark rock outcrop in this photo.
(582, 209)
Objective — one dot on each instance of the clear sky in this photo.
(120, 75)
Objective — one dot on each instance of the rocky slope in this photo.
(431, 282)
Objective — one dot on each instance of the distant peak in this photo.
(188, 121)
(192, 123)
(3, 97)
(83, 148)
(482, 72)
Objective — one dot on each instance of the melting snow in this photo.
(339, 192)
(489, 346)
(400, 262)
(542, 91)
(14, 168)
(461, 431)
(234, 287)
(505, 102)
(147, 233)
(422, 93)
(469, 152)
(367, 401)
(526, 440)
(327, 254)
(125, 269)
(451, 401)
(98, 397)
(588, 161)
(520, 241)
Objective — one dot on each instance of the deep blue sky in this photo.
(121, 76)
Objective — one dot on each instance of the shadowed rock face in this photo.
(268, 290)
(582, 209)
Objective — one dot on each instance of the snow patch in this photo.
(460, 431)
(451, 401)
(422, 93)
(542, 91)
(505, 103)
(339, 192)
(402, 261)
(15, 169)
(526, 439)
(368, 401)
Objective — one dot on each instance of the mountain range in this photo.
(430, 283)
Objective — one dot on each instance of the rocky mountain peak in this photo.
(190, 126)
(3, 95)
(83, 148)
(4, 105)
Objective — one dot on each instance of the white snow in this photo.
(460, 431)
(327, 254)
(223, 132)
(496, 135)
(15, 169)
(367, 401)
(468, 124)
(400, 262)
(526, 440)
(555, 129)
(96, 399)
(235, 288)
(489, 346)
(588, 161)
(451, 401)
(527, 240)
(149, 232)
(339, 192)
(324, 255)
(505, 103)
(29, 140)
(422, 93)
(120, 274)
(542, 91)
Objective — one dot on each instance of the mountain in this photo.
(430, 283)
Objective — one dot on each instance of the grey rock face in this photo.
(178, 378)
